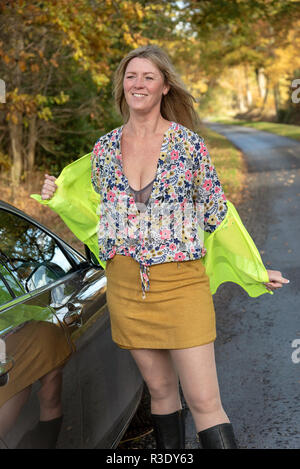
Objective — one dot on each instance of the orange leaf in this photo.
(22, 65)
(35, 68)
(54, 62)
(6, 59)
(14, 118)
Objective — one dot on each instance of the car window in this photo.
(5, 296)
(32, 255)
(11, 281)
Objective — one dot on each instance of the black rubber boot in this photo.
(43, 436)
(169, 430)
(218, 437)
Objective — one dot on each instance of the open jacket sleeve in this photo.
(233, 257)
(77, 203)
(231, 253)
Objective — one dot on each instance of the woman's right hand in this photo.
(49, 187)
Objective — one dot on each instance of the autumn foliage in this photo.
(57, 58)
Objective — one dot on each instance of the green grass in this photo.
(228, 161)
(285, 130)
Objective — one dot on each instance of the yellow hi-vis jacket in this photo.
(231, 253)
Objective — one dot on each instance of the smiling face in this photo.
(143, 85)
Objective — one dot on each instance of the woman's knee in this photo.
(162, 387)
(158, 372)
(51, 387)
(198, 376)
(204, 404)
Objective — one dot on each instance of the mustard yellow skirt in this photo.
(37, 348)
(178, 311)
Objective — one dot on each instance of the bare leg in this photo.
(44, 435)
(197, 372)
(10, 411)
(161, 378)
(50, 395)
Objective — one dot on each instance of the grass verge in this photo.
(228, 161)
(285, 130)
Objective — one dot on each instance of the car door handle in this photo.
(6, 365)
(74, 315)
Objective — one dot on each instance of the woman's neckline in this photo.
(167, 131)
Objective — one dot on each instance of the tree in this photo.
(44, 47)
(250, 35)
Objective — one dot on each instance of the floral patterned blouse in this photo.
(186, 199)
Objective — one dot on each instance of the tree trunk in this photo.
(266, 95)
(15, 131)
(248, 91)
(32, 139)
(261, 82)
(15, 123)
(241, 101)
(241, 98)
(276, 99)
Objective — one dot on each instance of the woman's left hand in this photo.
(275, 280)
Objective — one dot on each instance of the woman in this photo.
(155, 181)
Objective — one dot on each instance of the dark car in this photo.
(57, 357)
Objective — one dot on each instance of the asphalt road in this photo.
(258, 339)
(258, 377)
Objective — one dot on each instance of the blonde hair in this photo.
(177, 105)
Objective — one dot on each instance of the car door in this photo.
(32, 345)
(101, 384)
